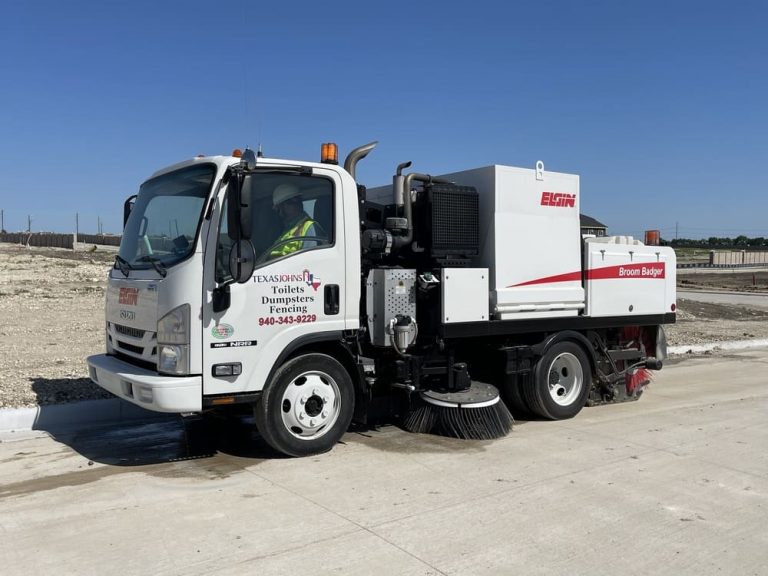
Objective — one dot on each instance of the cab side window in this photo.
(293, 214)
(290, 214)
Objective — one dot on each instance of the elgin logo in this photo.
(558, 199)
(129, 296)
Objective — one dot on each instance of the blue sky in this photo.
(660, 107)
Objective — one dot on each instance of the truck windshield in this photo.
(162, 227)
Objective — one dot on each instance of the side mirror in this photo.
(242, 261)
(246, 210)
(233, 205)
(127, 208)
(239, 213)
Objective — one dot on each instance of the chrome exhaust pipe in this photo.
(356, 155)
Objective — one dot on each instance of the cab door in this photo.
(293, 292)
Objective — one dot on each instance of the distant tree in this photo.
(741, 241)
(757, 242)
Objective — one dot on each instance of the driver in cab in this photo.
(297, 224)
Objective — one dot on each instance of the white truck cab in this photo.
(167, 345)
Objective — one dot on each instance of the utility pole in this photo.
(676, 230)
(2, 220)
(29, 223)
(77, 229)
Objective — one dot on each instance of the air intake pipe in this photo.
(400, 241)
(350, 164)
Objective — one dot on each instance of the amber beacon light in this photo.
(329, 153)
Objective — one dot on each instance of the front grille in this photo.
(128, 331)
(136, 361)
(133, 342)
(130, 347)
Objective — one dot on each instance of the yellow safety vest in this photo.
(298, 231)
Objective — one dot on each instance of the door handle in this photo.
(331, 299)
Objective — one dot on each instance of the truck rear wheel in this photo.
(561, 382)
(307, 406)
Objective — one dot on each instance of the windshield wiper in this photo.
(156, 263)
(123, 265)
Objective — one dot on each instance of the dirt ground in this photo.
(52, 317)
(752, 281)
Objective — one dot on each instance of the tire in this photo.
(561, 382)
(307, 406)
(513, 395)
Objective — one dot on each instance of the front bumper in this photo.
(145, 388)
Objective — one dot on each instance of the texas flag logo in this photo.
(311, 280)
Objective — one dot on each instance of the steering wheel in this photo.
(267, 254)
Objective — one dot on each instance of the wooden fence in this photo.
(99, 239)
(47, 240)
(51, 240)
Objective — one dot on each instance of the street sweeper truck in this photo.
(287, 289)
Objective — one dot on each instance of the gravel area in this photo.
(700, 322)
(52, 317)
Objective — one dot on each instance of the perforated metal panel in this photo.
(454, 221)
(389, 292)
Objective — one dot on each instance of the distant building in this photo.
(591, 226)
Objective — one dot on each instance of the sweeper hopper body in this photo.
(540, 267)
(287, 289)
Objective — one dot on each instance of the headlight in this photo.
(173, 359)
(173, 341)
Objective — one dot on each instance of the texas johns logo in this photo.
(311, 280)
(306, 277)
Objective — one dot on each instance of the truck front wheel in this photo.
(307, 406)
(561, 382)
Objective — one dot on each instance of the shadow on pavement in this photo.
(108, 430)
(119, 433)
(170, 439)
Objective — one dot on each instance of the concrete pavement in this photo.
(676, 483)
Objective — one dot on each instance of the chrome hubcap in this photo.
(310, 405)
(566, 379)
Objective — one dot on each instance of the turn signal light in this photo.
(329, 153)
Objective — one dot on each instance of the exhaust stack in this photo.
(356, 155)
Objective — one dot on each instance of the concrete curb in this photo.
(725, 345)
(729, 292)
(65, 417)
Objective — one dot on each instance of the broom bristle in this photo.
(638, 379)
(467, 423)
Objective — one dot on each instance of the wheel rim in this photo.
(310, 405)
(566, 379)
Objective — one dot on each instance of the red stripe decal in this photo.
(570, 277)
(647, 270)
